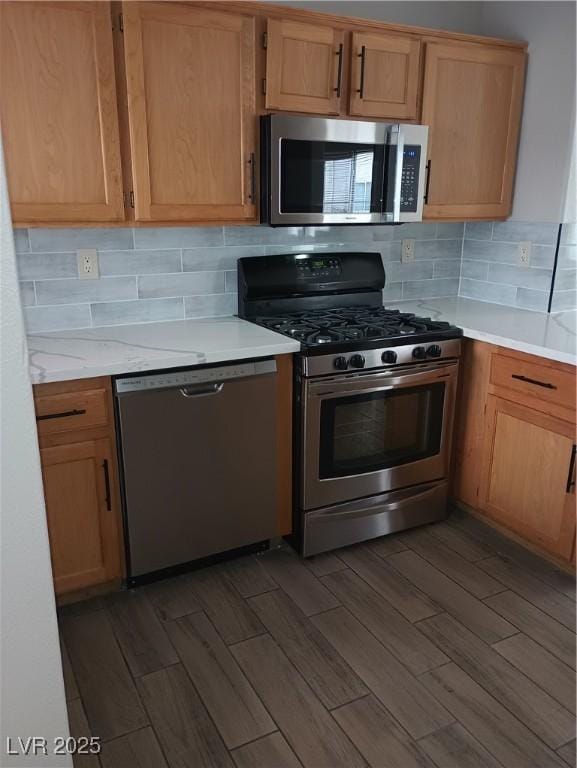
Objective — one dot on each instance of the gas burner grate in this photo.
(346, 324)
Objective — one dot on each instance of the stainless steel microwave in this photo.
(322, 171)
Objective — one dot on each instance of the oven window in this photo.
(331, 177)
(366, 433)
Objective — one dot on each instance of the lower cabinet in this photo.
(76, 432)
(527, 480)
(514, 459)
(82, 521)
(78, 455)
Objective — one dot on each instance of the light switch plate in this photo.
(87, 260)
(407, 251)
(524, 253)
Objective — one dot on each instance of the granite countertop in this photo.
(66, 355)
(550, 336)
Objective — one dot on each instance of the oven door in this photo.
(368, 433)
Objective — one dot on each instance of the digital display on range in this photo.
(315, 267)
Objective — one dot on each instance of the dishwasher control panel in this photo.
(169, 379)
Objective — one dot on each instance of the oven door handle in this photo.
(381, 381)
(361, 510)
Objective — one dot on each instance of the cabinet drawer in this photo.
(546, 383)
(71, 411)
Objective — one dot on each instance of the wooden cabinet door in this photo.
(304, 67)
(192, 116)
(384, 76)
(79, 483)
(58, 110)
(472, 99)
(527, 459)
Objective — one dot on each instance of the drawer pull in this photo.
(106, 483)
(62, 414)
(527, 380)
(571, 475)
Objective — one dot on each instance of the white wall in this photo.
(32, 699)
(464, 16)
(570, 213)
(549, 109)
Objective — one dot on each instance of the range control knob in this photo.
(389, 356)
(341, 363)
(434, 351)
(357, 361)
(419, 353)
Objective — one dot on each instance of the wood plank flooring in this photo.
(448, 646)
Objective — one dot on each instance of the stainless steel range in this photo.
(374, 396)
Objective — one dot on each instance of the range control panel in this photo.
(410, 177)
(317, 267)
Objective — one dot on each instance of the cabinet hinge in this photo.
(264, 85)
(121, 22)
(264, 40)
(131, 198)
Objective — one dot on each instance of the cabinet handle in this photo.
(62, 414)
(362, 56)
(571, 475)
(339, 71)
(106, 483)
(252, 191)
(428, 167)
(536, 382)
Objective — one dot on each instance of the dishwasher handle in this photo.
(202, 390)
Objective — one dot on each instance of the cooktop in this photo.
(322, 327)
(332, 300)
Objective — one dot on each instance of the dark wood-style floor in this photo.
(446, 646)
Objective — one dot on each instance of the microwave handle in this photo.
(397, 138)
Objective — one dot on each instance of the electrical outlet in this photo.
(524, 253)
(407, 251)
(87, 260)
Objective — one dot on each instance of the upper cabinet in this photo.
(192, 116)
(304, 67)
(384, 76)
(472, 100)
(58, 111)
(170, 88)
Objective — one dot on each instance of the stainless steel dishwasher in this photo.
(198, 462)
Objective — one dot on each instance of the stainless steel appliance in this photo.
(316, 170)
(375, 396)
(198, 462)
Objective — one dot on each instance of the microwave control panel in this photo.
(410, 177)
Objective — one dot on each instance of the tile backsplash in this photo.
(490, 268)
(564, 290)
(169, 273)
